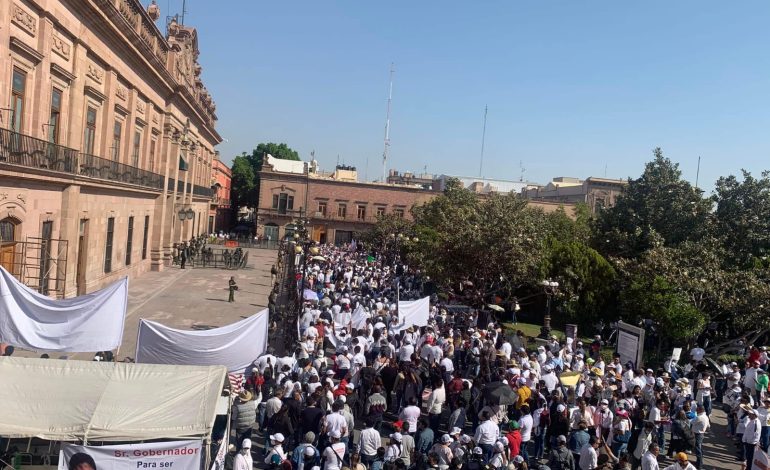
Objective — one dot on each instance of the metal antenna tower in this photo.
(483, 138)
(387, 127)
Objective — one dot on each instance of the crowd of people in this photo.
(460, 392)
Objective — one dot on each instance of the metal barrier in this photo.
(223, 258)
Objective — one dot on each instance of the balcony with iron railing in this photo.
(30, 152)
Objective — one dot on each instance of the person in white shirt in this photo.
(487, 434)
(276, 454)
(526, 424)
(243, 460)
(681, 463)
(435, 404)
(410, 415)
(588, 456)
(335, 453)
(650, 457)
(700, 425)
(751, 437)
(369, 442)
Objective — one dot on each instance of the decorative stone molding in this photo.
(121, 92)
(95, 73)
(128, 11)
(23, 19)
(60, 46)
(140, 106)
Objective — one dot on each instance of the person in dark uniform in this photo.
(182, 255)
(233, 287)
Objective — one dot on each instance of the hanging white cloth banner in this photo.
(412, 312)
(89, 323)
(359, 317)
(234, 346)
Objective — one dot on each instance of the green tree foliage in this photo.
(656, 299)
(243, 183)
(658, 208)
(245, 193)
(742, 218)
(586, 281)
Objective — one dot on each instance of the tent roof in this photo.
(72, 400)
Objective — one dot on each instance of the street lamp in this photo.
(550, 287)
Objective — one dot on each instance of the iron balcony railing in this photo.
(202, 191)
(23, 150)
(97, 167)
(30, 152)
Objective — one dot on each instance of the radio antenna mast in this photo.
(387, 127)
(483, 138)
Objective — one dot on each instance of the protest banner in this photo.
(169, 455)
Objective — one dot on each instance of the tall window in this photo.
(137, 146)
(17, 99)
(283, 202)
(380, 211)
(361, 213)
(117, 133)
(130, 240)
(89, 136)
(108, 245)
(322, 208)
(54, 119)
(342, 210)
(151, 165)
(145, 235)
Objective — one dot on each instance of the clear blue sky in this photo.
(571, 86)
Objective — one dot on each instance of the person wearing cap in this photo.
(334, 454)
(243, 460)
(751, 435)
(442, 450)
(499, 458)
(761, 385)
(560, 457)
(305, 456)
(681, 463)
(395, 449)
(276, 455)
(620, 434)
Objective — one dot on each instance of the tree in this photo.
(248, 194)
(243, 183)
(586, 281)
(658, 208)
(742, 218)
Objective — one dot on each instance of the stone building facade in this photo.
(597, 193)
(220, 216)
(107, 139)
(336, 204)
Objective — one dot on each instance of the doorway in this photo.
(80, 279)
(9, 231)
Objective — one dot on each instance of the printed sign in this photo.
(174, 455)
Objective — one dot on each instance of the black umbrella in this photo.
(498, 393)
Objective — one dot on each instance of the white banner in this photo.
(235, 346)
(174, 455)
(413, 312)
(89, 323)
(359, 317)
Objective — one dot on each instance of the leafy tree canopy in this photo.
(245, 187)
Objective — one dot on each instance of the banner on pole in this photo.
(169, 455)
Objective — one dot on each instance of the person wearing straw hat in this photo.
(751, 435)
(243, 415)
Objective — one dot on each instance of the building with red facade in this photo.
(220, 213)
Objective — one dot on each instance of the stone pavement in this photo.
(718, 449)
(192, 298)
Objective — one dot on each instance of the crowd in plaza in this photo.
(462, 393)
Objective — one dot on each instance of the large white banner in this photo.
(174, 455)
(413, 312)
(89, 323)
(234, 346)
(358, 319)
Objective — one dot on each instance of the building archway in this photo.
(10, 231)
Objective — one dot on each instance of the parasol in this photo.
(498, 393)
(496, 308)
(318, 258)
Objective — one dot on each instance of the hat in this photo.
(446, 439)
(560, 408)
(319, 353)
(604, 402)
(590, 361)
(518, 459)
(561, 439)
(342, 399)
(622, 413)
(398, 424)
(514, 425)
(277, 437)
(681, 456)
(350, 386)
(245, 395)
(455, 431)
(477, 451)
(499, 446)
(309, 451)
(465, 439)
(330, 372)
(748, 409)
(396, 436)
(246, 444)
(684, 380)
(334, 434)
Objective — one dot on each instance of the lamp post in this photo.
(550, 287)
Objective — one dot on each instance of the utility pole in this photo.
(697, 173)
(387, 127)
(483, 138)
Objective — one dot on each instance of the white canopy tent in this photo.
(98, 401)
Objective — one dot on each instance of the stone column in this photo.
(70, 230)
